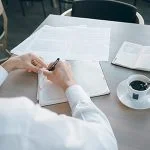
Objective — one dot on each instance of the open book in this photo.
(88, 74)
(133, 56)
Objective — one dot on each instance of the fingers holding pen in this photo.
(51, 67)
(62, 75)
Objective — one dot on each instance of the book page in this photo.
(48, 93)
(128, 55)
(143, 62)
(88, 74)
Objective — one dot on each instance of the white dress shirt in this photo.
(26, 126)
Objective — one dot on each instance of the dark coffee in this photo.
(138, 85)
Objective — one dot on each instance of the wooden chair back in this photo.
(4, 35)
(5, 20)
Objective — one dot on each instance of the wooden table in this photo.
(131, 127)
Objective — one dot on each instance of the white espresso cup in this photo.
(137, 94)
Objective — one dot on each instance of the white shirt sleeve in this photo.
(25, 125)
(3, 75)
(83, 108)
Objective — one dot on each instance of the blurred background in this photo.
(20, 26)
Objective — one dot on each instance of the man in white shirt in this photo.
(26, 126)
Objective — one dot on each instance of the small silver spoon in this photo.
(147, 85)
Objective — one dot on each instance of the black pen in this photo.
(52, 67)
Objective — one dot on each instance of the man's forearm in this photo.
(82, 107)
(9, 65)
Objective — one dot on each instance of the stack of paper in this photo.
(68, 43)
(88, 74)
(134, 56)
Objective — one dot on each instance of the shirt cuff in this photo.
(3, 75)
(75, 94)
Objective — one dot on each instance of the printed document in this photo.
(68, 43)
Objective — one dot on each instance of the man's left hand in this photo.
(29, 62)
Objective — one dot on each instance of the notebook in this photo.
(133, 56)
(88, 74)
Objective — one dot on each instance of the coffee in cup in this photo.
(138, 86)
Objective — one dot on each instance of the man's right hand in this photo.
(62, 75)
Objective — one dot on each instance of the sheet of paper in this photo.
(128, 55)
(73, 43)
(48, 93)
(90, 44)
(144, 59)
(88, 74)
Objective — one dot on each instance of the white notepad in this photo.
(134, 56)
(88, 74)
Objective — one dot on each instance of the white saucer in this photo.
(122, 93)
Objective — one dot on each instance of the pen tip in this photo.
(58, 59)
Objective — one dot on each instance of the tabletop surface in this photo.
(131, 127)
